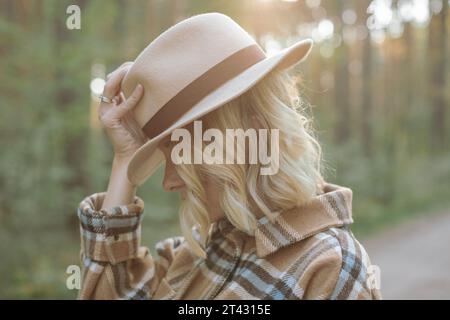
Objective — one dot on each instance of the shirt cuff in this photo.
(112, 234)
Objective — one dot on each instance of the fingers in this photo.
(116, 100)
(131, 102)
(104, 107)
(122, 97)
(112, 86)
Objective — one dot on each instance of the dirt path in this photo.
(414, 258)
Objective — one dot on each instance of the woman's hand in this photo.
(121, 127)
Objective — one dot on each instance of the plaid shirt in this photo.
(305, 253)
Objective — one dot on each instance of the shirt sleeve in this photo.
(114, 264)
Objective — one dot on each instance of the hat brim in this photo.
(148, 157)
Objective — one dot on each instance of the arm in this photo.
(110, 225)
(115, 266)
(120, 191)
(108, 250)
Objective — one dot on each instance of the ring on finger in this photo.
(105, 99)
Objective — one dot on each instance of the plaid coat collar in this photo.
(332, 208)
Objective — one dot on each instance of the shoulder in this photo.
(331, 264)
(343, 263)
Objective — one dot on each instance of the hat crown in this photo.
(180, 55)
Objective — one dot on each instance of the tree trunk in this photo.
(342, 85)
(438, 54)
(367, 75)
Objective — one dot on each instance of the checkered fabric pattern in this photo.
(307, 252)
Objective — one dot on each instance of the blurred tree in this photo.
(52, 157)
(438, 59)
(366, 104)
(407, 75)
(342, 85)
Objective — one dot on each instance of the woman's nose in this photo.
(172, 181)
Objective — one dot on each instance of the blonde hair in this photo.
(274, 103)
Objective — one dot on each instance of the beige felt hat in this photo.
(191, 69)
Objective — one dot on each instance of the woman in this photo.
(246, 235)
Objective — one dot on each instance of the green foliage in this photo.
(52, 158)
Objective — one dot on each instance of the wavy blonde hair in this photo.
(275, 103)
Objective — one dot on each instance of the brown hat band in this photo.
(190, 95)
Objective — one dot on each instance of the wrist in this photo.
(120, 190)
(120, 168)
(121, 160)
